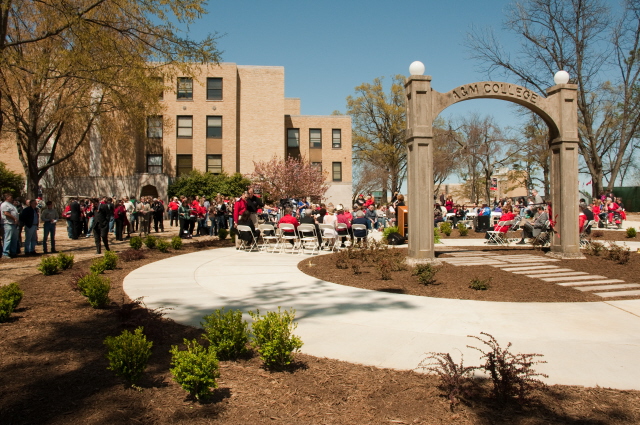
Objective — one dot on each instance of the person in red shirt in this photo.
(238, 208)
(173, 212)
(289, 219)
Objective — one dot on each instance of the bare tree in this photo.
(580, 37)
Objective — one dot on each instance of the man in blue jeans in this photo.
(9, 219)
(49, 217)
(30, 217)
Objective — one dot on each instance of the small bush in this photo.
(150, 241)
(96, 289)
(436, 235)
(98, 266)
(445, 228)
(222, 234)
(631, 232)
(426, 273)
(618, 253)
(65, 261)
(75, 279)
(12, 292)
(110, 260)
(176, 243)
(128, 354)
(6, 308)
(595, 248)
(384, 267)
(511, 374)
(131, 255)
(227, 333)
(355, 268)
(273, 338)
(195, 368)
(479, 284)
(135, 242)
(49, 265)
(462, 229)
(455, 379)
(387, 231)
(163, 245)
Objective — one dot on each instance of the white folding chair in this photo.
(268, 235)
(584, 241)
(308, 237)
(328, 233)
(342, 231)
(497, 237)
(359, 227)
(288, 237)
(247, 245)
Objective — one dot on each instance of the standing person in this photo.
(88, 213)
(120, 218)
(49, 217)
(10, 224)
(102, 212)
(143, 210)
(76, 218)
(67, 215)
(158, 214)
(253, 204)
(239, 207)
(30, 217)
(221, 210)
(130, 206)
(183, 213)
(173, 212)
(18, 204)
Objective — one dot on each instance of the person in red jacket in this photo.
(289, 219)
(238, 208)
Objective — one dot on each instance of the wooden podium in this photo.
(403, 221)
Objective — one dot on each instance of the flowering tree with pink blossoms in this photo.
(290, 178)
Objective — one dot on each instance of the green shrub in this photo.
(98, 266)
(631, 232)
(162, 245)
(426, 273)
(387, 231)
(110, 260)
(479, 284)
(436, 235)
(445, 228)
(6, 308)
(222, 234)
(227, 333)
(135, 242)
(49, 265)
(150, 241)
(176, 242)
(195, 368)
(128, 354)
(96, 289)
(273, 338)
(12, 292)
(462, 229)
(65, 260)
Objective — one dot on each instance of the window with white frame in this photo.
(337, 171)
(315, 138)
(214, 164)
(214, 127)
(185, 126)
(336, 138)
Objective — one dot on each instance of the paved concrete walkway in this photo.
(584, 343)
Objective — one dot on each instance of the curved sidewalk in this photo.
(584, 343)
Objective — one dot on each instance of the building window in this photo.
(336, 136)
(184, 164)
(214, 127)
(185, 126)
(214, 164)
(154, 164)
(185, 88)
(337, 171)
(317, 166)
(154, 127)
(214, 88)
(315, 138)
(293, 137)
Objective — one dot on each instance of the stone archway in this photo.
(149, 190)
(558, 110)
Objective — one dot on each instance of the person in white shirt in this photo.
(9, 220)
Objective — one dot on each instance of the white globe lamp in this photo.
(416, 68)
(561, 77)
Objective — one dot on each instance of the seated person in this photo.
(507, 215)
(289, 219)
(532, 230)
(360, 219)
(485, 210)
(459, 214)
(309, 218)
(585, 216)
(245, 220)
(437, 215)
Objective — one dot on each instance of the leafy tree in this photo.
(10, 181)
(293, 177)
(198, 183)
(70, 68)
(602, 55)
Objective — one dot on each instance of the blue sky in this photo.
(329, 47)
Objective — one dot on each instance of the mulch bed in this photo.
(453, 281)
(53, 370)
(597, 235)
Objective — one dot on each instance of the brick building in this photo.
(224, 118)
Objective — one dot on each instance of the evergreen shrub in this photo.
(135, 242)
(227, 333)
(631, 232)
(110, 260)
(12, 292)
(162, 245)
(128, 354)
(98, 266)
(273, 338)
(176, 242)
(150, 241)
(462, 229)
(49, 265)
(96, 289)
(65, 260)
(6, 308)
(445, 228)
(222, 234)
(195, 368)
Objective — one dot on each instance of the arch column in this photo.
(420, 169)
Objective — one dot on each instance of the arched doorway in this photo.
(149, 190)
(558, 110)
